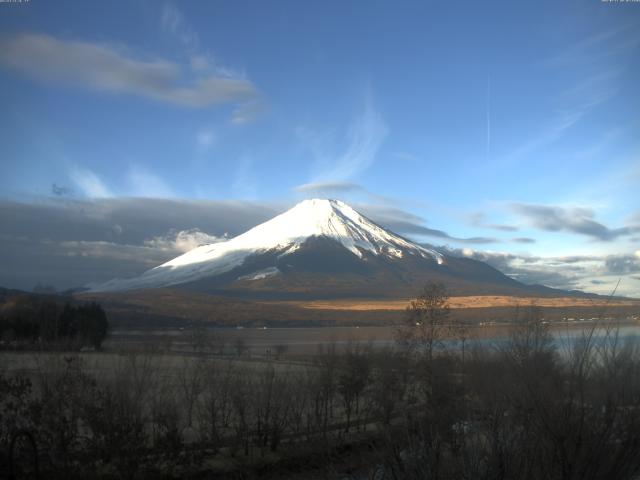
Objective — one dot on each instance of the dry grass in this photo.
(477, 301)
(170, 308)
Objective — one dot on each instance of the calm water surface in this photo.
(307, 340)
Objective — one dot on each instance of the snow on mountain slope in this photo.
(283, 234)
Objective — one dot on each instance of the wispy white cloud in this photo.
(479, 219)
(144, 183)
(138, 182)
(573, 110)
(206, 138)
(328, 187)
(594, 67)
(346, 191)
(104, 68)
(173, 22)
(200, 63)
(182, 241)
(363, 139)
(89, 183)
(598, 47)
(577, 220)
(406, 223)
(106, 251)
(248, 112)
(405, 156)
(592, 273)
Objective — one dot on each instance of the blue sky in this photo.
(508, 131)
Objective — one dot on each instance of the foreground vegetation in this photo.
(525, 409)
(528, 407)
(52, 322)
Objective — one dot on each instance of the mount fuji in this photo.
(320, 248)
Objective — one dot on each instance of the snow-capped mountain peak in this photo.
(283, 234)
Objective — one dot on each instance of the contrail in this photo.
(488, 116)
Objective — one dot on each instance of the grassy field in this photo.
(476, 301)
(172, 308)
(110, 362)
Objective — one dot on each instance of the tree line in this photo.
(50, 321)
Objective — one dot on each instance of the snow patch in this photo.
(260, 274)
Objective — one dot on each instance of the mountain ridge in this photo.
(282, 235)
(322, 249)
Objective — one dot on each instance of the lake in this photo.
(263, 341)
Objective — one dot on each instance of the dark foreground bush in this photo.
(45, 321)
(527, 409)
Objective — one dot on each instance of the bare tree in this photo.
(240, 397)
(215, 407)
(280, 350)
(389, 384)
(352, 379)
(462, 332)
(240, 347)
(216, 342)
(426, 321)
(322, 384)
(190, 380)
(198, 337)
